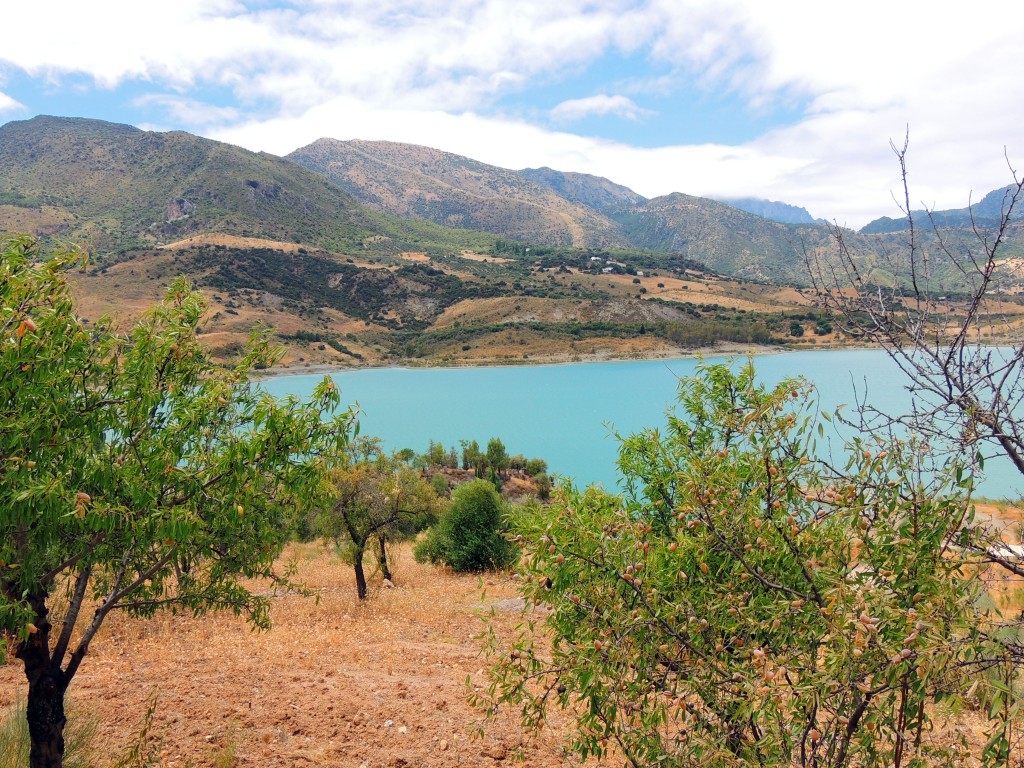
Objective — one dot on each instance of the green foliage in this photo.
(145, 747)
(436, 455)
(372, 496)
(536, 467)
(497, 457)
(745, 604)
(468, 536)
(473, 458)
(134, 472)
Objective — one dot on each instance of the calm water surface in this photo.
(568, 414)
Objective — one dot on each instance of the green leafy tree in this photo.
(436, 456)
(497, 457)
(473, 458)
(536, 467)
(134, 475)
(375, 498)
(468, 536)
(745, 604)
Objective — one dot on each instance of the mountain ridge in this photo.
(413, 181)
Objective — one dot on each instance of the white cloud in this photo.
(182, 110)
(601, 104)
(7, 104)
(430, 71)
(430, 54)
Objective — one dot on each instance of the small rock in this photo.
(388, 723)
(443, 746)
(402, 729)
(496, 751)
(388, 584)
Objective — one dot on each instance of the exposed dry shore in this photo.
(567, 358)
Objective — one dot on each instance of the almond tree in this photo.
(374, 497)
(934, 306)
(134, 475)
(745, 604)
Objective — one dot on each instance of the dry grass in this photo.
(417, 256)
(484, 257)
(334, 683)
(232, 241)
(45, 220)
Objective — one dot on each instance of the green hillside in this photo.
(114, 188)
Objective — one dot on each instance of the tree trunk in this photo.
(46, 686)
(357, 563)
(382, 556)
(45, 714)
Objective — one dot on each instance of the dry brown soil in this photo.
(380, 684)
(334, 683)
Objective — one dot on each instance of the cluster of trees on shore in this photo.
(371, 498)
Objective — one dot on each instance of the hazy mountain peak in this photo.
(770, 209)
(595, 191)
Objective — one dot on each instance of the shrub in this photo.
(468, 537)
(744, 604)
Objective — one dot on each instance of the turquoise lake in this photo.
(567, 414)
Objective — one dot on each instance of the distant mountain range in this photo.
(985, 213)
(549, 207)
(116, 188)
(376, 251)
(770, 209)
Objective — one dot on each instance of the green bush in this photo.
(744, 604)
(468, 537)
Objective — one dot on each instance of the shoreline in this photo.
(725, 350)
(728, 350)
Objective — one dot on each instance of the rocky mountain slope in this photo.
(553, 208)
(985, 213)
(454, 191)
(573, 264)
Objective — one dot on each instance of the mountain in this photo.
(569, 263)
(114, 187)
(985, 213)
(724, 238)
(124, 187)
(551, 208)
(594, 191)
(455, 191)
(770, 209)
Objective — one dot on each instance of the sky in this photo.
(788, 100)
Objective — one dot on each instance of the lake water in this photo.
(567, 414)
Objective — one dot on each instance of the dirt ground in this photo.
(381, 684)
(334, 683)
